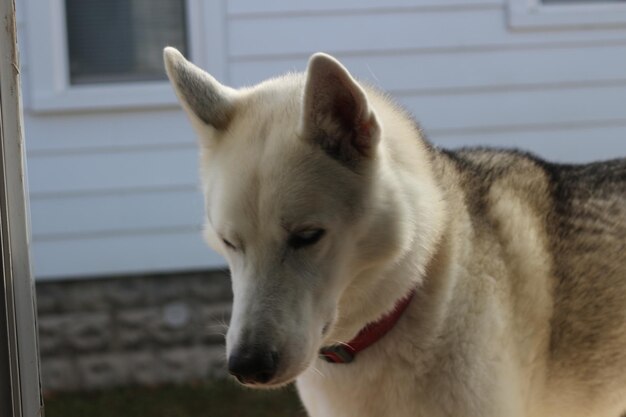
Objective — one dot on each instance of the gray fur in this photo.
(583, 211)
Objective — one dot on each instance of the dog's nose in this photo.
(253, 366)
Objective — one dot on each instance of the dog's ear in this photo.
(336, 113)
(204, 98)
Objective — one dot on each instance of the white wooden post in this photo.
(20, 388)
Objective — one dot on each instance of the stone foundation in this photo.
(100, 333)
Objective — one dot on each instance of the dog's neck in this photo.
(433, 285)
(408, 179)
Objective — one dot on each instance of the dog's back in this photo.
(582, 211)
(588, 237)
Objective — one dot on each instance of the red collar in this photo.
(370, 334)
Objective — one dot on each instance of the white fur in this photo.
(393, 221)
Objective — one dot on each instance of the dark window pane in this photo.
(113, 41)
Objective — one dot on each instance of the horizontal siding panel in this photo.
(86, 131)
(246, 7)
(178, 167)
(563, 145)
(91, 173)
(123, 255)
(110, 214)
(251, 38)
(517, 108)
(476, 69)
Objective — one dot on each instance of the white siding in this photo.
(390, 32)
(439, 71)
(116, 191)
(457, 67)
(67, 133)
(120, 212)
(121, 254)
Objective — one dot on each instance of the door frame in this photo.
(20, 382)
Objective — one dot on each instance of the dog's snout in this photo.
(253, 366)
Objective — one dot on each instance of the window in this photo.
(566, 14)
(107, 54)
(122, 40)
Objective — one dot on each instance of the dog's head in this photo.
(288, 168)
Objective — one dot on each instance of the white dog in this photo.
(391, 278)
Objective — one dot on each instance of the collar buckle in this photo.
(336, 354)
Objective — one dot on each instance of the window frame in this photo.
(533, 14)
(47, 67)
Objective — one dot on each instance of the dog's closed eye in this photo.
(228, 244)
(304, 238)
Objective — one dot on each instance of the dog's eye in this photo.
(305, 238)
(228, 244)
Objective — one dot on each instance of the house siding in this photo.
(116, 191)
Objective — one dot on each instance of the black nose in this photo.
(252, 366)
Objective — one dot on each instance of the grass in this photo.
(209, 399)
